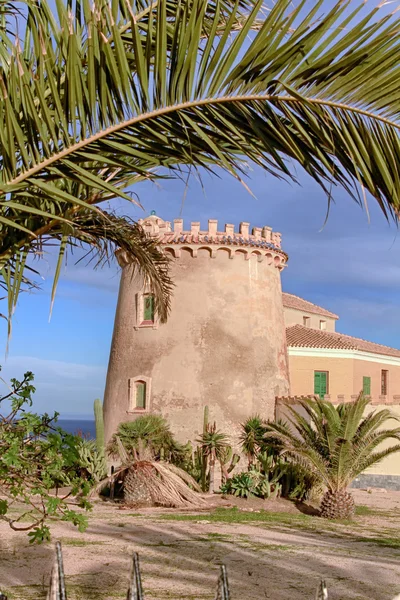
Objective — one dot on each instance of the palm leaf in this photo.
(97, 97)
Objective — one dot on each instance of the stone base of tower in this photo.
(224, 344)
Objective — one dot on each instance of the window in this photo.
(146, 313)
(322, 325)
(306, 321)
(321, 383)
(367, 386)
(139, 394)
(384, 382)
(148, 308)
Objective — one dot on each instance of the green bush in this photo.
(269, 474)
(150, 434)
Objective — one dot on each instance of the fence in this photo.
(57, 589)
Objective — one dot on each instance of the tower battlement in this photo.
(259, 236)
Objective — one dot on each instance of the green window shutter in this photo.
(320, 383)
(317, 383)
(141, 395)
(148, 310)
(367, 386)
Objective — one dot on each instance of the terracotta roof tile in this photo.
(292, 301)
(299, 336)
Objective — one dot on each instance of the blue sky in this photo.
(350, 266)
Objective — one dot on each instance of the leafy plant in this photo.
(35, 457)
(98, 98)
(335, 444)
(254, 483)
(240, 485)
(147, 431)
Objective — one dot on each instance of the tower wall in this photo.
(224, 344)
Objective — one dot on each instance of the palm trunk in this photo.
(337, 504)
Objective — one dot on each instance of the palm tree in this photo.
(213, 445)
(150, 431)
(336, 444)
(97, 95)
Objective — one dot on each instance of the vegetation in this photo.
(35, 457)
(335, 444)
(269, 473)
(252, 438)
(96, 98)
(147, 452)
(150, 432)
(213, 445)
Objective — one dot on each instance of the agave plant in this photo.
(98, 95)
(252, 438)
(336, 444)
(213, 444)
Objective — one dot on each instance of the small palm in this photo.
(336, 444)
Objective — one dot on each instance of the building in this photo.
(233, 341)
(224, 344)
(338, 367)
(334, 365)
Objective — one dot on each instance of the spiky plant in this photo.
(336, 443)
(98, 95)
(213, 444)
(252, 438)
(147, 431)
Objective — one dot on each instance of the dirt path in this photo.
(282, 556)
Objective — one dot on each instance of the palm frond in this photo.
(99, 96)
(337, 443)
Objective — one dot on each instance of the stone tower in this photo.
(224, 344)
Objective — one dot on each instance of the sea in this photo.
(83, 427)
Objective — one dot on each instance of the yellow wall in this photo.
(345, 375)
(301, 373)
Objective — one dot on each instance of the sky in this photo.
(350, 265)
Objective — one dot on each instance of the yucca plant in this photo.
(97, 95)
(336, 444)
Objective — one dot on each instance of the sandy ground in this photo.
(283, 556)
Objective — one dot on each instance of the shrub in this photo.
(35, 457)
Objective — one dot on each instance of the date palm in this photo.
(336, 444)
(97, 95)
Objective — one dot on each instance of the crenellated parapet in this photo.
(339, 399)
(262, 242)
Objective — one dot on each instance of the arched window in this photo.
(140, 395)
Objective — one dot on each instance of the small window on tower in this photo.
(140, 395)
(306, 321)
(148, 308)
(322, 325)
